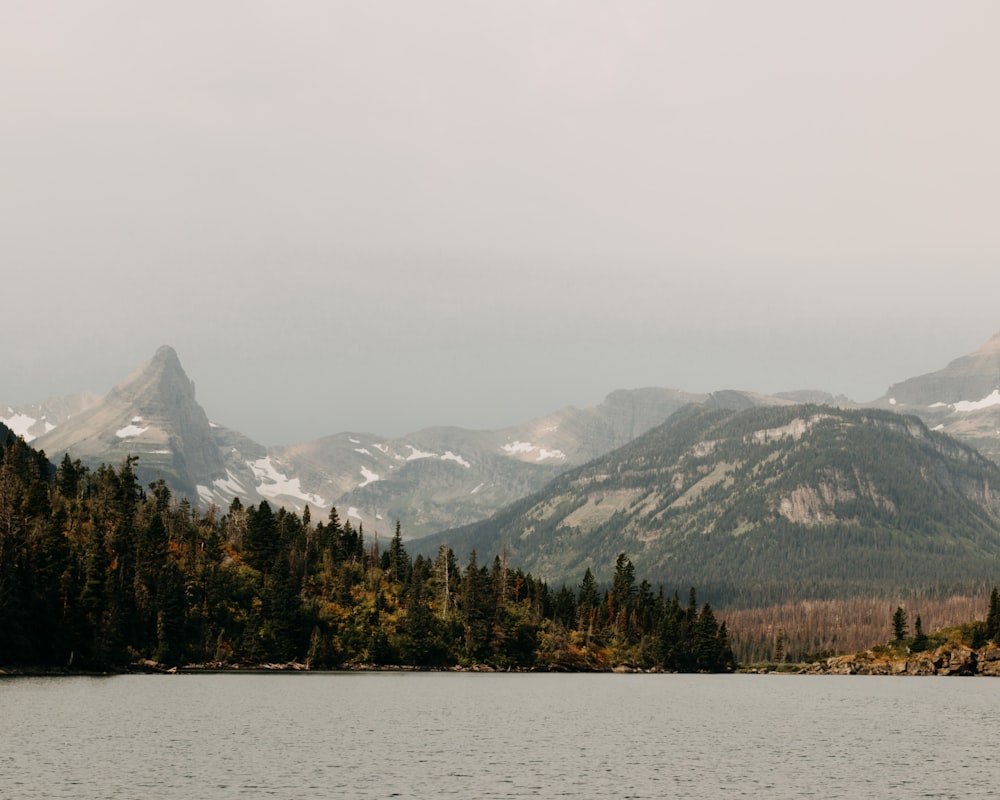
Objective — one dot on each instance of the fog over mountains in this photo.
(436, 478)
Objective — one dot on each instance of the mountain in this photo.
(432, 479)
(962, 399)
(764, 504)
(437, 478)
(152, 414)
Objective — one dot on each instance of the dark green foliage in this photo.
(919, 643)
(993, 617)
(97, 574)
(899, 624)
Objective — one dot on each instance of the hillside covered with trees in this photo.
(98, 572)
(767, 505)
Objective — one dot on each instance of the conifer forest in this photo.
(98, 572)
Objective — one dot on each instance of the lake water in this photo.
(429, 735)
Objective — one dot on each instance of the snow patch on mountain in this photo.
(274, 484)
(364, 451)
(353, 512)
(992, 399)
(131, 430)
(416, 454)
(231, 484)
(19, 424)
(369, 476)
(225, 489)
(544, 454)
(384, 449)
(518, 448)
(450, 456)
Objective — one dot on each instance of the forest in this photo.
(99, 573)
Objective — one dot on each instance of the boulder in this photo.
(920, 664)
(961, 661)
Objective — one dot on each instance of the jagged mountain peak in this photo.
(152, 414)
(162, 375)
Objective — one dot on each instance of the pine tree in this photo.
(261, 541)
(899, 624)
(588, 599)
(919, 637)
(398, 561)
(993, 617)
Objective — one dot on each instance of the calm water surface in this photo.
(423, 735)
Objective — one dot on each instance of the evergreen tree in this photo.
(477, 609)
(398, 561)
(919, 637)
(899, 624)
(588, 599)
(564, 607)
(261, 542)
(993, 617)
(623, 589)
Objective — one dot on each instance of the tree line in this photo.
(98, 572)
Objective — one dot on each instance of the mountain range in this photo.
(437, 478)
(432, 479)
(758, 505)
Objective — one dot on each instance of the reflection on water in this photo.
(420, 735)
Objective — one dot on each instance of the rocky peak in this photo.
(152, 414)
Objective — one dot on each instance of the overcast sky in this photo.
(380, 216)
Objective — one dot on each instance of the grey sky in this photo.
(387, 215)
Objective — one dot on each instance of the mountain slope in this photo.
(962, 399)
(764, 504)
(437, 478)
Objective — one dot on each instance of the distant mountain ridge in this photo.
(438, 478)
(434, 479)
(761, 505)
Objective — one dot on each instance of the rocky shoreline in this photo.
(951, 660)
(947, 660)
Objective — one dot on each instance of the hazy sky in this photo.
(379, 216)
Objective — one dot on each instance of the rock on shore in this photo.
(950, 660)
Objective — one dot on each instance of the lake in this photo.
(471, 735)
